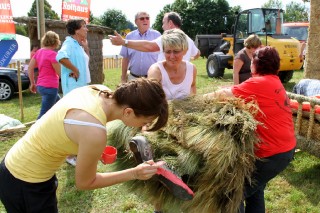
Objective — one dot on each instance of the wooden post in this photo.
(40, 18)
(20, 91)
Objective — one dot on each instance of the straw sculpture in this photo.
(306, 125)
(209, 143)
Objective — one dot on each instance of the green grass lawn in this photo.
(294, 190)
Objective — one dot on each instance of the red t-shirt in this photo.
(277, 132)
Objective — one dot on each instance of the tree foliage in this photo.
(93, 19)
(21, 29)
(277, 4)
(131, 26)
(114, 19)
(158, 22)
(295, 12)
(48, 12)
(200, 16)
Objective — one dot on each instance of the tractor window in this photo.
(256, 21)
(242, 26)
(298, 32)
(271, 21)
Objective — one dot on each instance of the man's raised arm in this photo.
(140, 45)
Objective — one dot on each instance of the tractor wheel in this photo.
(285, 76)
(213, 69)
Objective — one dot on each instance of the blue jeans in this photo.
(49, 96)
(266, 169)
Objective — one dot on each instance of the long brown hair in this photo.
(145, 96)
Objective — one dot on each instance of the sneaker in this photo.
(72, 160)
(142, 151)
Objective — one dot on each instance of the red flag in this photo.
(72, 9)
(7, 29)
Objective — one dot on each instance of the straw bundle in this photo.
(307, 125)
(209, 143)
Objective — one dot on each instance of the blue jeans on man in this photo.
(50, 96)
(266, 169)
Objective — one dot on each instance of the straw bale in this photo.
(210, 144)
(307, 124)
(311, 145)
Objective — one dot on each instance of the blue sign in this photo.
(7, 49)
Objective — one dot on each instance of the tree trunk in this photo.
(312, 68)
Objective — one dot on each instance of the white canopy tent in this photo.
(109, 50)
(23, 51)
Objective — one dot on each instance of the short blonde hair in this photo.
(50, 39)
(175, 38)
(253, 41)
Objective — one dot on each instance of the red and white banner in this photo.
(72, 9)
(7, 29)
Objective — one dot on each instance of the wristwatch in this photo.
(126, 42)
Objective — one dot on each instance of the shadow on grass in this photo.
(304, 176)
(226, 76)
(289, 86)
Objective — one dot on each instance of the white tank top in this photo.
(176, 91)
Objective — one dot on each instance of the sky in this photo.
(128, 7)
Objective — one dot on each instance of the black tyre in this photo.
(6, 89)
(285, 76)
(213, 69)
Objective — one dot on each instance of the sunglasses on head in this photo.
(142, 18)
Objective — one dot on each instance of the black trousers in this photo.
(20, 196)
(266, 169)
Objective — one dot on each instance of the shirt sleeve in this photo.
(124, 52)
(240, 55)
(245, 89)
(193, 49)
(63, 52)
(52, 57)
(159, 43)
(35, 55)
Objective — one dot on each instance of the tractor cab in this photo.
(263, 22)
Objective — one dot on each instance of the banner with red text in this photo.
(7, 29)
(72, 9)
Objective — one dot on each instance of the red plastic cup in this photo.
(109, 155)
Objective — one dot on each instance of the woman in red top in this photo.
(277, 139)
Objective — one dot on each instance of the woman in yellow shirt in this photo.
(76, 126)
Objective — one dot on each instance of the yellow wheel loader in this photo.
(264, 22)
